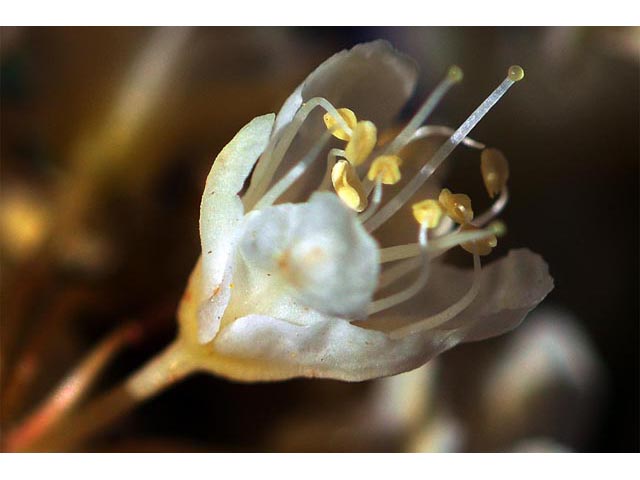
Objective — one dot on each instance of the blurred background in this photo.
(107, 135)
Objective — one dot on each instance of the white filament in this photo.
(275, 152)
(443, 152)
(415, 287)
(447, 314)
(495, 209)
(293, 174)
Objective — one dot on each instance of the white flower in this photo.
(300, 287)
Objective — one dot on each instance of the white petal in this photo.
(320, 249)
(259, 348)
(511, 287)
(373, 79)
(221, 212)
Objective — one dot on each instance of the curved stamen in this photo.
(332, 156)
(293, 174)
(275, 152)
(454, 75)
(375, 202)
(494, 211)
(443, 152)
(449, 313)
(440, 245)
(444, 131)
(415, 287)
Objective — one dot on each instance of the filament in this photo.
(494, 211)
(443, 152)
(375, 202)
(276, 150)
(415, 287)
(449, 313)
(454, 75)
(293, 174)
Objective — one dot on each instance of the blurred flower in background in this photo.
(106, 138)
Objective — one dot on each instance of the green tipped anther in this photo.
(516, 73)
(455, 73)
(498, 228)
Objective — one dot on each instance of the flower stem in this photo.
(168, 367)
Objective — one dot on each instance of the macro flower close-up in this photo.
(316, 239)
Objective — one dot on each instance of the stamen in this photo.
(363, 141)
(495, 170)
(294, 174)
(375, 202)
(332, 156)
(454, 75)
(478, 247)
(332, 124)
(440, 245)
(428, 212)
(495, 209)
(443, 131)
(386, 168)
(450, 312)
(415, 287)
(515, 74)
(275, 152)
(348, 186)
(456, 205)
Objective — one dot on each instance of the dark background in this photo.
(571, 131)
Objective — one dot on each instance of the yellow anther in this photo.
(386, 168)
(480, 247)
(516, 73)
(348, 186)
(455, 74)
(333, 126)
(495, 170)
(428, 212)
(456, 205)
(363, 140)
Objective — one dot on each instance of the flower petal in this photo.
(352, 78)
(221, 212)
(510, 288)
(260, 348)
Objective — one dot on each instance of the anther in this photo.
(495, 170)
(479, 247)
(362, 142)
(386, 168)
(515, 73)
(334, 127)
(428, 212)
(348, 186)
(456, 205)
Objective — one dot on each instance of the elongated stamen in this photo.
(294, 174)
(275, 152)
(415, 287)
(449, 313)
(454, 75)
(495, 209)
(427, 131)
(515, 74)
(374, 204)
(438, 246)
